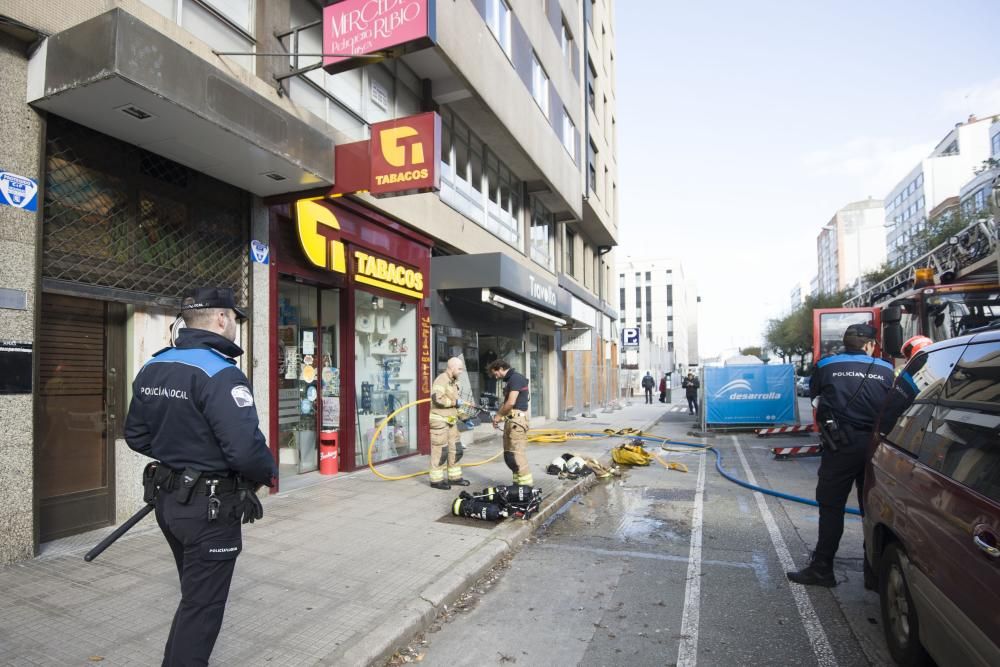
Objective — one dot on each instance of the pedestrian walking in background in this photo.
(192, 409)
(690, 386)
(663, 388)
(851, 388)
(647, 385)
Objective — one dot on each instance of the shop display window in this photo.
(308, 371)
(490, 349)
(386, 376)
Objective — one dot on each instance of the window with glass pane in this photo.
(571, 258)
(542, 235)
(539, 84)
(386, 372)
(569, 134)
(220, 34)
(565, 39)
(498, 19)
(592, 166)
(591, 84)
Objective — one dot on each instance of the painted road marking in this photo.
(810, 621)
(687, 652)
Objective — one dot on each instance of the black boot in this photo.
(444, 486)
(819, 572)
(459, 482)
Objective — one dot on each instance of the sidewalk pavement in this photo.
(342, 572)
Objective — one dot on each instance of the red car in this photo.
(932, 506)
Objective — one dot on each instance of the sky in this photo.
(744, 126)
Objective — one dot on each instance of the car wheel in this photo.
(899, 615)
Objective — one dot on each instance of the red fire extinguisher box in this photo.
(329, 461)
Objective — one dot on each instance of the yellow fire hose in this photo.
(541, 436)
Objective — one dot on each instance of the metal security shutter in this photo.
(124, 224)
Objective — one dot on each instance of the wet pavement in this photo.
(662, 567)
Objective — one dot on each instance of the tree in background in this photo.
(792, 335)
(752, 351)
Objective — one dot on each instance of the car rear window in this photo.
(963, 444)
(976, 379)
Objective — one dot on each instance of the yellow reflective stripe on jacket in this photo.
(450, 420)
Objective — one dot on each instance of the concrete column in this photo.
(20, 233)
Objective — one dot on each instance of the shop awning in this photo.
(119, 76)
(497, 299)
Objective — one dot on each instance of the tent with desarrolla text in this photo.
(750, 394)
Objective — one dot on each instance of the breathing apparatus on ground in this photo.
(498, 502)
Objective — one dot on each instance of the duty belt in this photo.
(449, 420)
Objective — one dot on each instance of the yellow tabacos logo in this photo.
(393, 144)
(388, 275)
(318, 233)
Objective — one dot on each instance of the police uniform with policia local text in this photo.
(192, 409)
(515, 428)
(852, 387)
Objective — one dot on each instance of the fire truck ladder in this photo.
(973, 251)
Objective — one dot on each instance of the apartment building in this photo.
(655, 298)
(167, 144)
(850, 244)
(933, 180)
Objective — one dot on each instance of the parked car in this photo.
(932, 506)
(802, 386)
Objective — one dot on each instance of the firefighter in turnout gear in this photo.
(192, 409)
(514, 414)
(445, 446)
(851, 388)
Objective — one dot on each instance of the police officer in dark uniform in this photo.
(193, 411)
(851, 388)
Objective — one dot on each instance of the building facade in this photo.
(655, 298)
(933, 180)
(164, 149)
(850, 245)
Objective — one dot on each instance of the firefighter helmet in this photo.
(914, 345)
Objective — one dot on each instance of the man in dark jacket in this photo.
(851, 388)
(647, 385)
(690, 386)
(192, 409)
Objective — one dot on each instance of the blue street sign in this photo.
(630, 337)
(18, 191)
(756, 394)
(259, 252)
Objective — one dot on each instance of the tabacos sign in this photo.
(387, 274)
(404, 155)
(364, 27)
(319, 235)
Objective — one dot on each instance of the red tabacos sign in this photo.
(361, 27)
(405, 154)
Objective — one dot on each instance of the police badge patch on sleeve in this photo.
(242, 396)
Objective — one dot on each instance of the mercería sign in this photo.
(373, 270)
(405, 154)
(359, 27)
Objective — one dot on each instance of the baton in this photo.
(121, 530)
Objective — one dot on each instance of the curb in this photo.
(378, 645)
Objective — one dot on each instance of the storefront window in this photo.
(464, 344)
(499, 347)
(539, 346)
(386, 372)
(308, 372)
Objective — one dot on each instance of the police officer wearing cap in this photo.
(193, 411)
(851, 388)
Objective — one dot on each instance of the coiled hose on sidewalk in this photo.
(555, 436)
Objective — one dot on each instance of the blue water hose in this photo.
(736, 480)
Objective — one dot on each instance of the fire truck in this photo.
(950, 291)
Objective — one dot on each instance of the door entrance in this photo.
(77, 414)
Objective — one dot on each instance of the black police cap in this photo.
(861, 331)
(212, 297)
